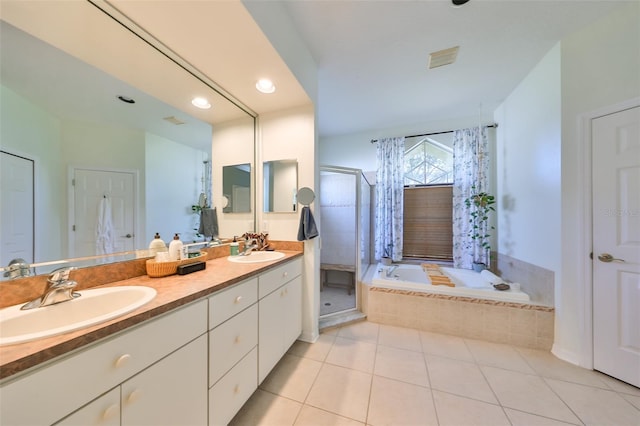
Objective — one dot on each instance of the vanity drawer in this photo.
(271, 280)
(228, 302)
(90, 372)
(233, 390)
(229, 342)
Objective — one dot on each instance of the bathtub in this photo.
(468, 283)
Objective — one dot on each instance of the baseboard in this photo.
(566, 355)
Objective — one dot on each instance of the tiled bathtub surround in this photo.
(501, 322)
(537, 282)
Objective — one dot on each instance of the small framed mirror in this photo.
(280, 186)
(236, 188)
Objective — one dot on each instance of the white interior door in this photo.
(616, 244)
(92, 186)
(17, 210)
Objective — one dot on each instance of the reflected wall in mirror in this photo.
(236, 188)
(280, 186)
(64, 67)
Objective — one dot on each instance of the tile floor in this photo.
(371, 374)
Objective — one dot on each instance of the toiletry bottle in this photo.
(157, 245)
(234, 247)
(175, 248)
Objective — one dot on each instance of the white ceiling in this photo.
(372, 56)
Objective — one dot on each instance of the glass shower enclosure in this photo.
(345, 229)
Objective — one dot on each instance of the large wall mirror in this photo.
(95, 119)
(280, 186)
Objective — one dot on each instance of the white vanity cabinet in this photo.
(170, 392)
(233, 340)
(195, 365)
(280, 314)
(134, 358)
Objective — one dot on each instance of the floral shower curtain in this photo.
(470, 168)
(389, 207)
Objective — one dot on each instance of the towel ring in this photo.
(305, 196)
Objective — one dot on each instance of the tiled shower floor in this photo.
(366, 373)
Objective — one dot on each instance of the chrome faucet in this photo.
(60, 289)
(249, 246)
(390, 270)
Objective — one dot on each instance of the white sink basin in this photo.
(257, 257)
(92, 307)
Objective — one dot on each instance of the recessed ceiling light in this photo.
(201, 103)
(126, 99)
(265, 85)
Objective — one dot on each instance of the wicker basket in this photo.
(164, 269)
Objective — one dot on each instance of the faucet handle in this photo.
(61, 274)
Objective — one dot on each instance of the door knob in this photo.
(128, 236)
(606, 257)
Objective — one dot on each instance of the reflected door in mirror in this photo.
(104, 212)
(16, 202)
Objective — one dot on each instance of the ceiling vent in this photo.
(174, 120)
(443, 57)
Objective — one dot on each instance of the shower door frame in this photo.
(357, 173)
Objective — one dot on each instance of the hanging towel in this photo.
(105, 239)
(208, 222)
(307, 229)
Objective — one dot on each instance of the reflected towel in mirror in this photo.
(307, 229)
(208, 222)
(105, 238)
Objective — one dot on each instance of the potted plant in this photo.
(480, 205)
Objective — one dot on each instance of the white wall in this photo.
(173, 172)
(528, 167)
(600, 67)
(30, 131)
(289, 135)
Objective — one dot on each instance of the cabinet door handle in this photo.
(110, 411)
(236, 340)
(134, 396)
(285, 274)
(236, 389)
(122, 360)
(238, 299)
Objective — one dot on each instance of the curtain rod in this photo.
(494, 125)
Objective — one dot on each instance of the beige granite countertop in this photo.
(172, 292)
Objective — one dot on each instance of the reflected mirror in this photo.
(280, 186)
(89, 128)
(236, 188)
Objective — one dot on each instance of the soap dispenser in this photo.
(175, 248)
(233, 247)
(156, 245)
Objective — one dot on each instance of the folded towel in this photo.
(208, 222)
(307, 229)
(491, 277)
